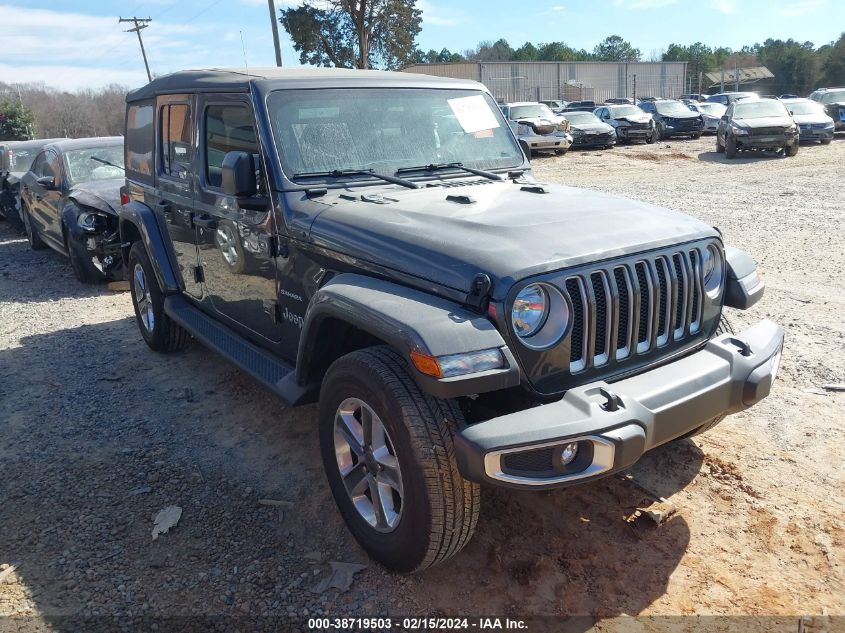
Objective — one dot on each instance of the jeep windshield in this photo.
(319, 132)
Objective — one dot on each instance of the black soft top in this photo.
(239, 80)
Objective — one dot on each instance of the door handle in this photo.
(205, 222)
(164, 206)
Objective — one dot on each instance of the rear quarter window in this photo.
(140, 141)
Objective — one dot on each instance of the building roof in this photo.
(240, 79)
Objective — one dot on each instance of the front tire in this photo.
(720, 149)
(35, 242)
(730, 148)
(389, 458)
(791, 150)
(159, 331)
(80, 261)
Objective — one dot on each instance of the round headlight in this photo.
(540, 316)
(713, 270)
(530, 310)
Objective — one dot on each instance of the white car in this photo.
(711, 113)
(537, 128)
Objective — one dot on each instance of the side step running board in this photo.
(272, 372)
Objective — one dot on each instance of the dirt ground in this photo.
(98, 433)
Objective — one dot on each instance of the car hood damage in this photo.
(507, 230)
(103, 195)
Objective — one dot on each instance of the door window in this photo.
(39, 166)
(228, 128)
(54, 167)
(176, 141)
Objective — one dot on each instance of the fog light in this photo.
(569, 452)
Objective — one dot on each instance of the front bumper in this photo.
(765, 142)
(614, 424)
(816, 133)
(550, 142)
(627, 133)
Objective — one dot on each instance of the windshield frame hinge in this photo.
(479, 292)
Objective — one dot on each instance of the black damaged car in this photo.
(69, 202)
(589, 131)
(673, 118)
(757, 124)
(15, 159)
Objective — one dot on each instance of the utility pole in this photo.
(140, 23)
(275, 24)
(736, 76)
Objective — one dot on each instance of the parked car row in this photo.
(65, 194)
(775, 123)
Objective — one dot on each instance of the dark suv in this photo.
(833, 100)
(459, 322)
(757, 124)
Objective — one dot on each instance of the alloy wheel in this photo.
(228, 246)
(367, 462)
(143, 299)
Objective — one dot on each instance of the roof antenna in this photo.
(243, 48)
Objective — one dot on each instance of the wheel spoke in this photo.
(142, 305)
(351, 432)
(378, 503)
(389, 474)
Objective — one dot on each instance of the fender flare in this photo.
(743, 285)
(137, 220)
(409, 321)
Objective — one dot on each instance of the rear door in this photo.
(234, 244)
(174, 194)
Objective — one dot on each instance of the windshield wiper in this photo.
(442, 166)
(105, 162)
(338, 173)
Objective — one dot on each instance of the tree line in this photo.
(39, 111)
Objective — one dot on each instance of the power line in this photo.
(140, 23)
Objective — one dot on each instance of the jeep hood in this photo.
(505, 230)
(103, 195)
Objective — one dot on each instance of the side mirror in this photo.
(239, 181)
(791, 113)
(725, 118)
(48, 182)
(238, 175)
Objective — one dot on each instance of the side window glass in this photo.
(54, 167)
(139, 139)
(176, 141)
(228, 128)
(38, 164)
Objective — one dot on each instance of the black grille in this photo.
(624, 307)
(651, 287)
(663, 289)
(767, 131)
(645, 302)
(577, 336)
(537, 461)
(600, 294)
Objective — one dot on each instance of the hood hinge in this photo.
(479, 291)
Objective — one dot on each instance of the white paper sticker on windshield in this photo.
(473, 113)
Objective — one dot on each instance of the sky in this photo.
(79, 44)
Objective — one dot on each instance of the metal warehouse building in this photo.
(572, 81)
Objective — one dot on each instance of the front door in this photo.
(45, 201)
(175, 190)
(234, 243)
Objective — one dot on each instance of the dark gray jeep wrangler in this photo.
(376, 241)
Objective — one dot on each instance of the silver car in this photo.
(711, 113)
(814, 124)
